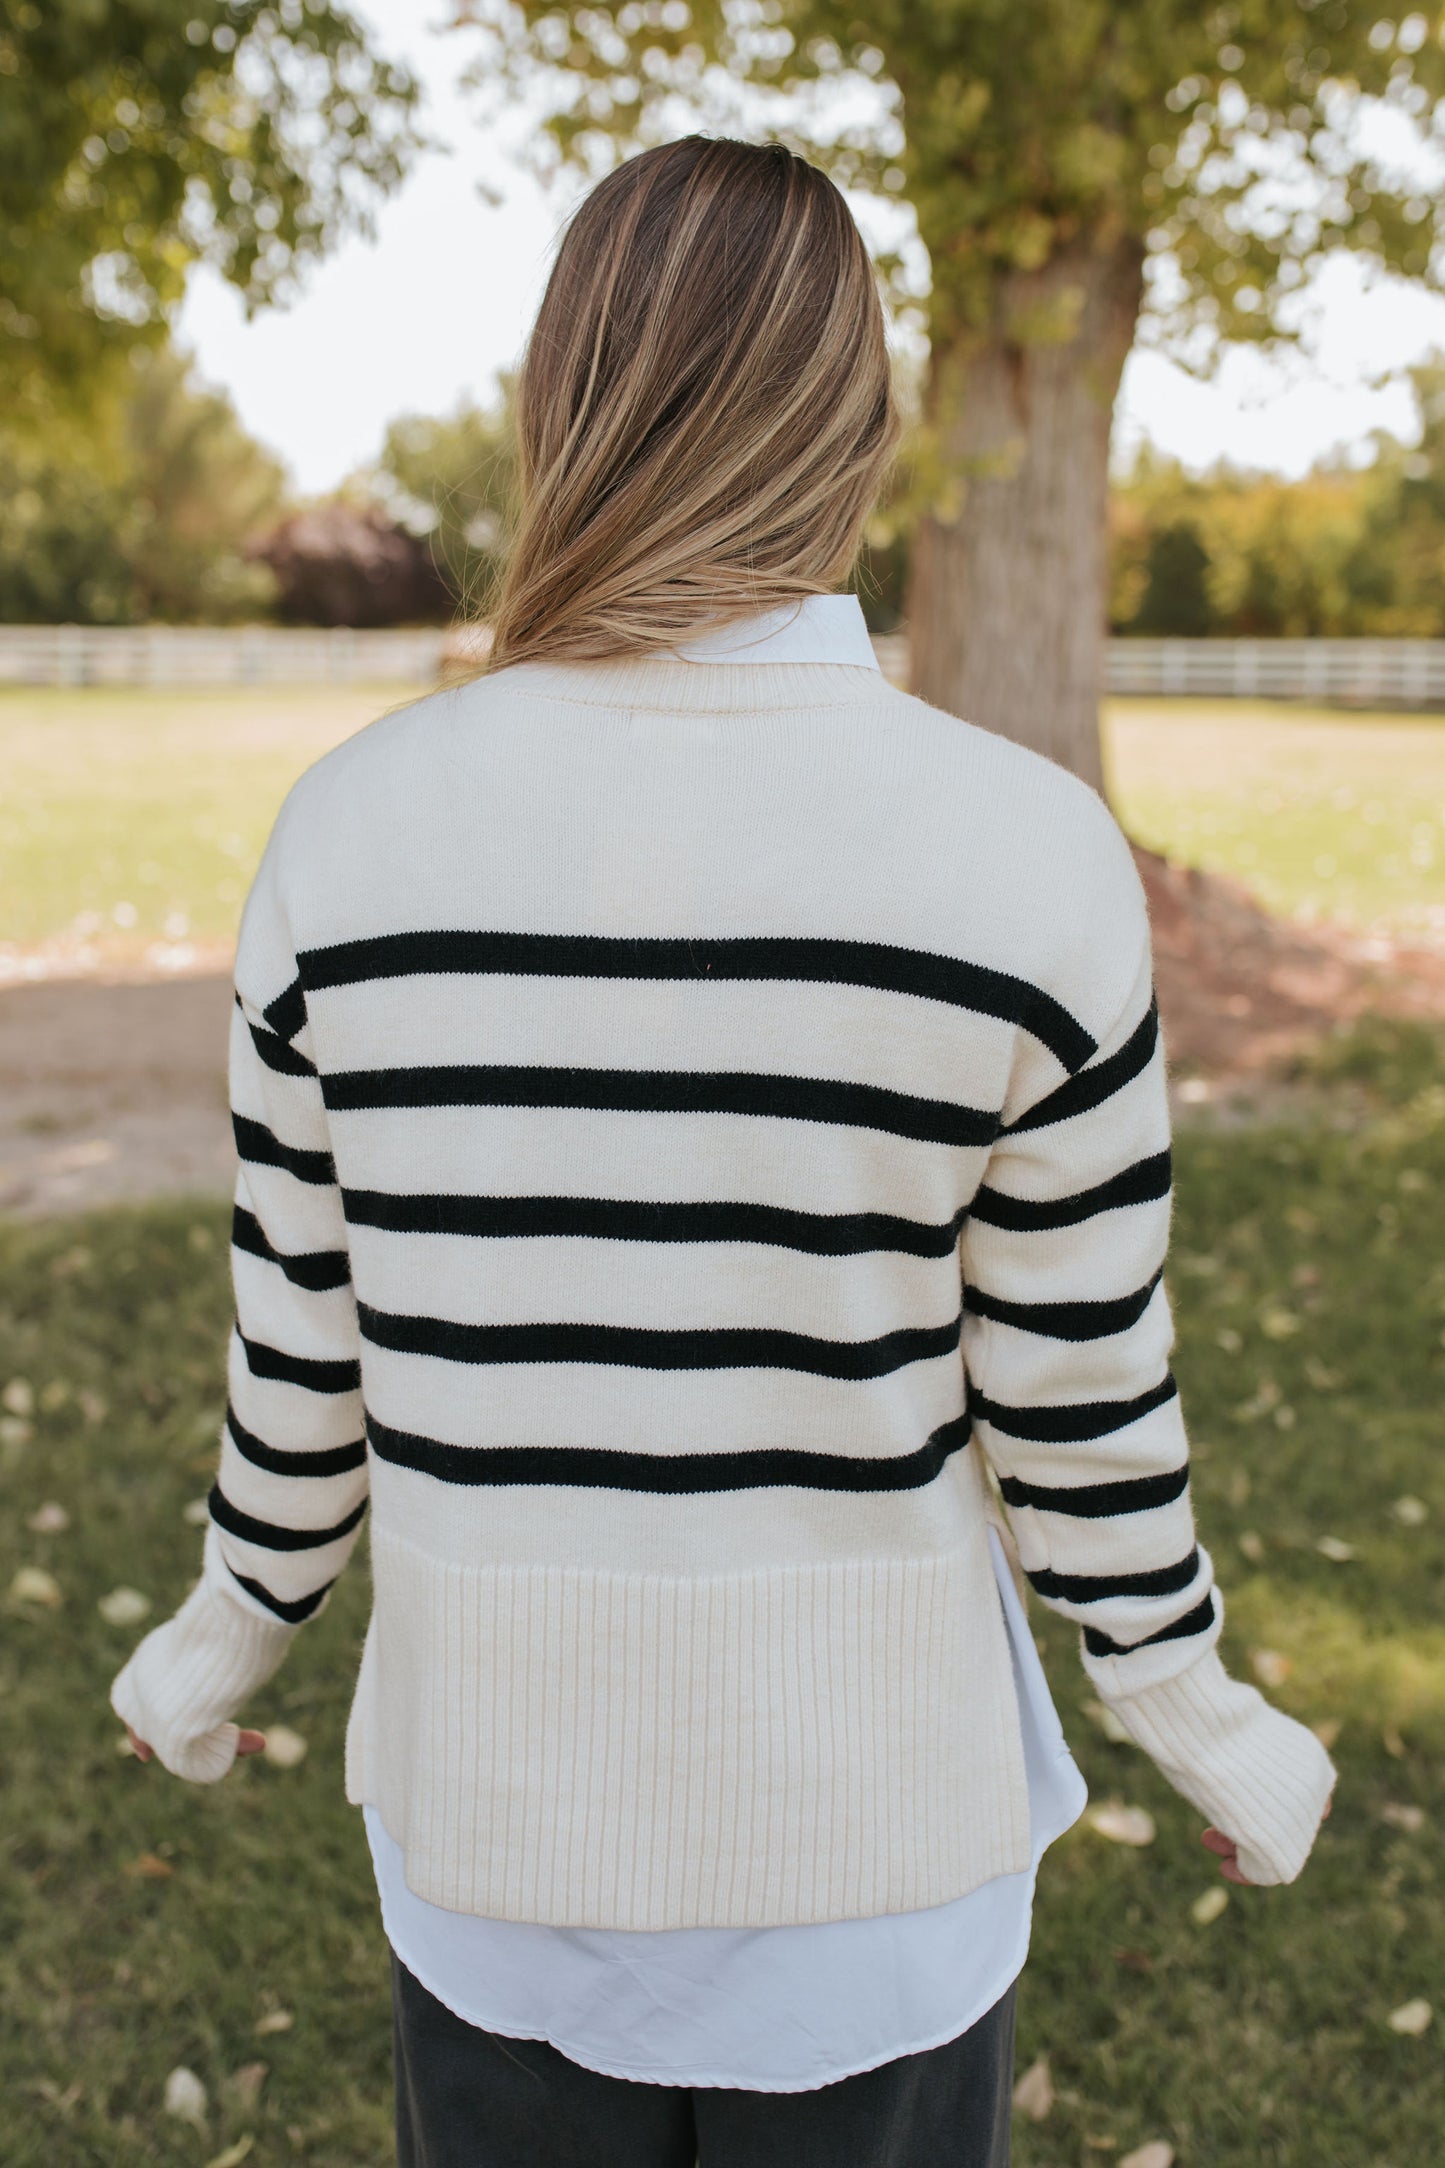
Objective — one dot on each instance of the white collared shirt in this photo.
(774, 2009)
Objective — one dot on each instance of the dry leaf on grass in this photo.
(1252, 1545)
(197, 1512)
(244, 2086)
(1336, 1549)
(32, 1584)
(1392, 1742)
(123, 1607)
(1034, 2092)
(1327, 1731)
(1209, 1906)
(1410, 1512)
(274, 2021)
(1121, 1824)
(185, 2097)
(1412, 2018)
(49, 1520)
(18, 1397)
(1156, 2154)
(1270, 1667)
(233, 2154)
(1099, 1712)
(1401, 1816)
(149, 1867)
(284, 1748)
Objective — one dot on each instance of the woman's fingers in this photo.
(138, 1747)
(251, 1742)
(1226, 1851)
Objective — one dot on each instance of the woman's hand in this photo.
(250, 1742)
(1226, 1851)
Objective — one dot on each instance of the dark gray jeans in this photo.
(466, 2098)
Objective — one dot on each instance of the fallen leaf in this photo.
(1327, 1731)
(1279, 1324)
(284, 1748)
(62, 2102)
(1391, 1741)
(15, 1430)
(1034, 2092)
(1284, 1418)
(232, 2153)
(1335, 1547)
(1156, 2154)
(1121, 1824)
(1401, 1816)
(1323, 1379)
(1412, 2018)
(1269, 1667)
(1209, 1906)
(32, 1584)
(1099, 1712)
(123, 1607)
(149, 1867)
(49, 1519)
(1229, 1340)
(244, 2085)
(274, 2021)
(1410, 1512)
(123, 1745)
(197, 1511)
(54, 1395)
(1101, 2144)
(1252, 1546)
(91, 1405)
(185, 2097)
(18, 1397)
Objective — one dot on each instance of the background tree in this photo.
(1071, 164)
(138, 137)
(144, 508)
(449, 478)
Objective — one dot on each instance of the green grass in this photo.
(1322, 814)
(129, 816)
(1311, 1301)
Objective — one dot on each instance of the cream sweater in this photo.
(694, 1120)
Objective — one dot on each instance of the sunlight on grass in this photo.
(1322, 814)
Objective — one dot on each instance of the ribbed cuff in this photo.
(1254, 1772)
(189, 1677)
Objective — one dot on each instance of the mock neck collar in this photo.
(819, 628)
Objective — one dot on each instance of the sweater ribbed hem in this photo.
(645, 1751)
(1254, 1772)
(190, 1677)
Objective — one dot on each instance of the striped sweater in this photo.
(695, 1121)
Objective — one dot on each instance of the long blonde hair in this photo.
(705, 412)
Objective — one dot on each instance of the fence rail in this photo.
(1366, 673)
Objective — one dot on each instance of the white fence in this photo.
(1362, 673)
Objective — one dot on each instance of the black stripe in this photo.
(667, 1474)
(1091, 1087)
(315, 1375)
(1197, 1621)
(322, 1460)
(256, 1143)
(1065, 1320)
(1071, 1424)
(808, 959)
(319, 1270)
(270, 1535)
(1142, 1183)
(1098, 1501)
(1098, 1587)
(287, 1013)
(277, 1053)
(293, 1613)
(821, 1234)
(663, 1091)
(644, 1347)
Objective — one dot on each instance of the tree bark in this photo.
(1009, 571)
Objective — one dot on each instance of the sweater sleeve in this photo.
(1067, 1336)
(291, 1489)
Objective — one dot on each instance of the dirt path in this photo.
(113, 1088)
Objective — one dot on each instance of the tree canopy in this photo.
(138, 137)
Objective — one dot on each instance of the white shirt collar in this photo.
(820, 628)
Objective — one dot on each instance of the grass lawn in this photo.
(144, 1924)
(1324, 814)
(138, 815)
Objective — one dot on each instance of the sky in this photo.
(427, 313)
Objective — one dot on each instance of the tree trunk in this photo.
(1008, 583)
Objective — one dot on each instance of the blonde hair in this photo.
(705, 412)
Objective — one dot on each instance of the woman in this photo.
(634, 1050)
